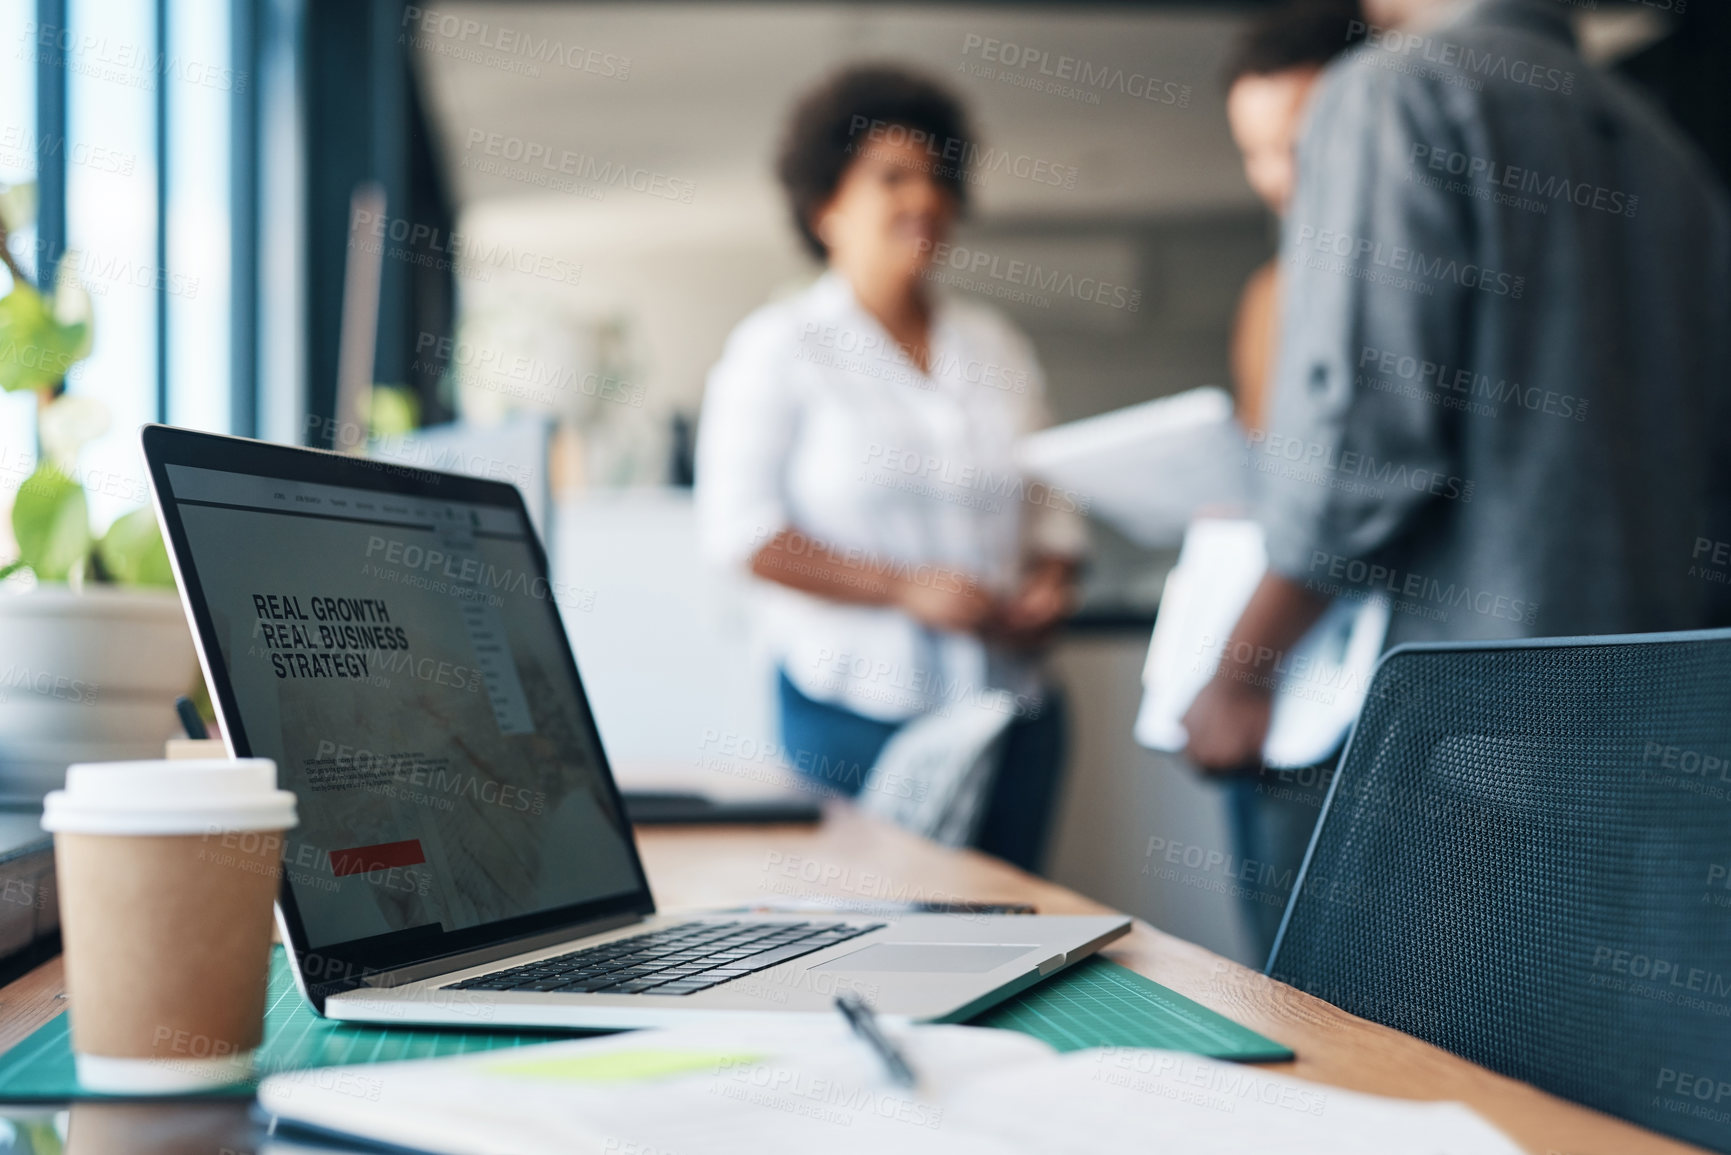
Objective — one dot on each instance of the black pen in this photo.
(859, 1016)
(189, 718)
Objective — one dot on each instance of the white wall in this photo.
(665, 651)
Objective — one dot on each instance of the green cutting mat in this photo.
(1094, 1004)
(1098, 1003)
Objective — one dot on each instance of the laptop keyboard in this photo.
(678, 960)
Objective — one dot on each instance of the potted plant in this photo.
(93, 645)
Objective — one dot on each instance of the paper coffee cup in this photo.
(167, 872)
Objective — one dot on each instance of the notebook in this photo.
(763, 1089)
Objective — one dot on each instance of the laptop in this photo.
(391, 637)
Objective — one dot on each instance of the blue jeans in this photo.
(1273, 814)
(836, 747)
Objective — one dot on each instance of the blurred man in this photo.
(1269, 78)
(1501, 386)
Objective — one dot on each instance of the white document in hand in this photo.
(1322, 682)
(1149, 469)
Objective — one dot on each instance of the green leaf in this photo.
(132, 552)
(36, 350)
(18, 206)
(393, 412)
(52, 524)
(72, 310)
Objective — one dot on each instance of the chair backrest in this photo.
(1525, 858)
(933, 776)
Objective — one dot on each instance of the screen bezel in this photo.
(334, 967)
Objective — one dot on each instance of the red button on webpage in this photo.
(363, 859)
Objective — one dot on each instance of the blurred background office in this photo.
(335, 223)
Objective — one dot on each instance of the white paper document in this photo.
(1149, 469)
(774, 1088)
(1321, 682)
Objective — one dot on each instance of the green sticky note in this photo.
(636, 1066)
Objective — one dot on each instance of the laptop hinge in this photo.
(448, 964)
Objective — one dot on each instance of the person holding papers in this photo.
(1499, 398)
(856, 455)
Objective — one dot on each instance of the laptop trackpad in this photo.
(929, 958)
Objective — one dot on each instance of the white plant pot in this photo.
(84, 677)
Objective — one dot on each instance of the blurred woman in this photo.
(856, 453)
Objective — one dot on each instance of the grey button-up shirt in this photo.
(1501, 394)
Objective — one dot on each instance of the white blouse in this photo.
(816, 420)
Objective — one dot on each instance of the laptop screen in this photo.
(400, 655)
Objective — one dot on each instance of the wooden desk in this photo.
(853, 859)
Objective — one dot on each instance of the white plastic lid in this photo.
(191, 796)
(160, 1076)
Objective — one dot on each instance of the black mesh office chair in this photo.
(1525, 858)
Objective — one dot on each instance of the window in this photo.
(201, 91)
(17, 167)
(144, 160)
(111, 233)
